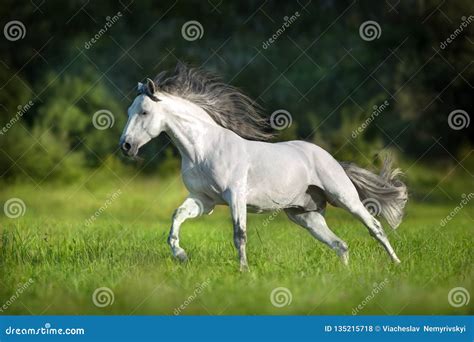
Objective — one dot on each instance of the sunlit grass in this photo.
(125, 250)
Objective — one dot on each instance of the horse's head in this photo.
(145, 119)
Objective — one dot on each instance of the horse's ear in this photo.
(151, 86)
(140, 86)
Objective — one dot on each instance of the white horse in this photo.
(217, 131)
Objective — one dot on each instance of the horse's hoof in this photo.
(181, 256)
(244, 268)
(345, 258)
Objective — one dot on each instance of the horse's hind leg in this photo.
(315, 223)
(376, 230)
(356, 208)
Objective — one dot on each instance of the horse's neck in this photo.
(190, 133)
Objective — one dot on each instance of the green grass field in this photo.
(125, 250)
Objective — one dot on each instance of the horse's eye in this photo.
(144, 113)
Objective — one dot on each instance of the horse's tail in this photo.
(384, 194)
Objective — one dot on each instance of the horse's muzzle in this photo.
(128, 148)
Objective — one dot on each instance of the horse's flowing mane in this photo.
(226, 105)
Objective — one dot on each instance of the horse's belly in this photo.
(278, 183)
(267, 202)
(268, 197)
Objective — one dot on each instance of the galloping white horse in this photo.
(218, 132)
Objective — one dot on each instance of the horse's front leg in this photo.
(191, 207)
(238, 208)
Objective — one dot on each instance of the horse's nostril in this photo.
(126, 146)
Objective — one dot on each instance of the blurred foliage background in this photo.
(319, 69)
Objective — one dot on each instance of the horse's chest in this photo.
(193, 180)
(200, 179)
